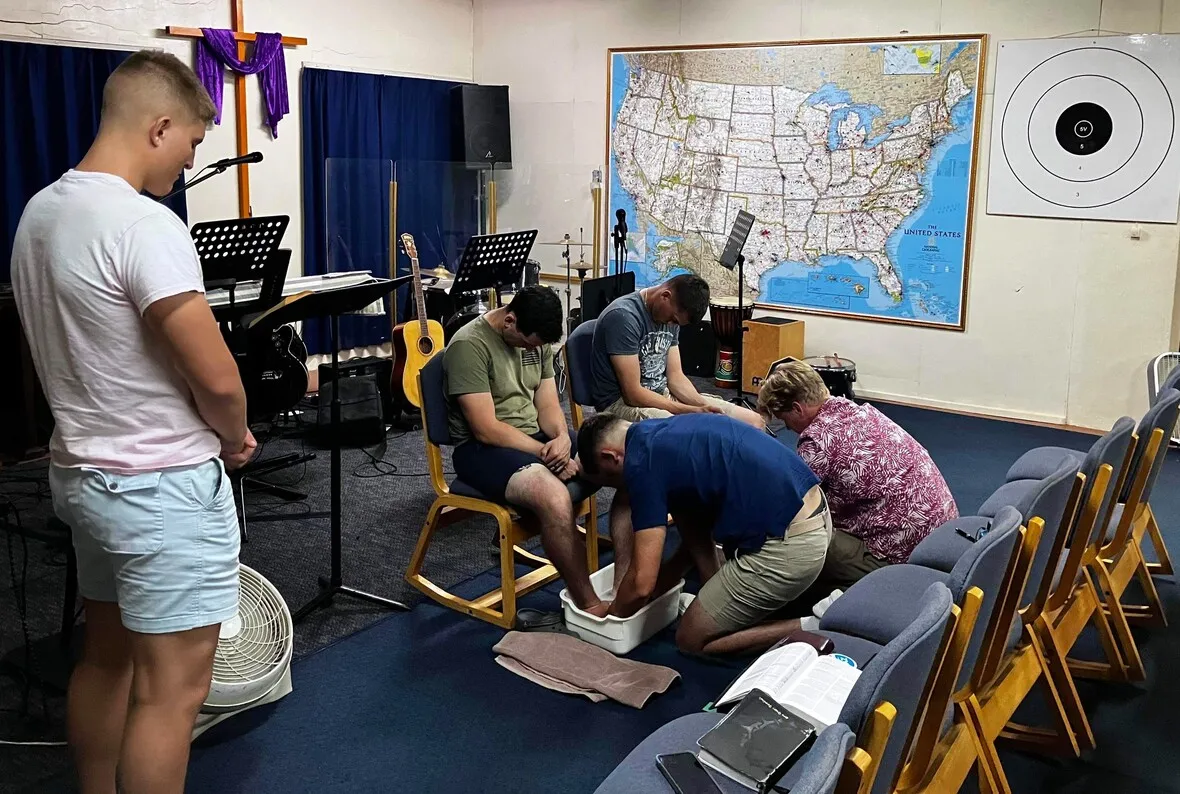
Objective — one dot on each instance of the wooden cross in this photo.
(242, 38)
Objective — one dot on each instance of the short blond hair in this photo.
(790, 383)
(153, 82)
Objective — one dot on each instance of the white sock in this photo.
(822, 606)
(809, 623)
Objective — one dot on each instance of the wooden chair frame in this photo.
(982, 709)
(498, 606)
(1115, 564)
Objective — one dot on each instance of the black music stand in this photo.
(732, 256)
(332, 303)
(234, 251)
(491, 261)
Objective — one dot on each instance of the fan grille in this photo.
(262, 643)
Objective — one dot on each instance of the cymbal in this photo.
(570, 243)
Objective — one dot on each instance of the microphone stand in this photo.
(218, 170)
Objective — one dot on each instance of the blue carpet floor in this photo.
(417, 703)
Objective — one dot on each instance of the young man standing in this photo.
(886, 492)
(724, 482)
(636, 355)
(512, 443)
(149, 412)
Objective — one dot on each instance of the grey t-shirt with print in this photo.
(625, 328)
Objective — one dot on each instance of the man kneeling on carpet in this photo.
(512, 443)
(724, 482)
(885, 491)
(636, 355)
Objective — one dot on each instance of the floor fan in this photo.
(252, 665)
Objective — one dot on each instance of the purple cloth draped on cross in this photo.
(219, 48)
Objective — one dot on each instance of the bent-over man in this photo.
(885, 491)
(636, 355)
(723, 482)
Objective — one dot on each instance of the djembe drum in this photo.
(727, 327)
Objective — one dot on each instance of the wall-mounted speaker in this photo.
(481, 125)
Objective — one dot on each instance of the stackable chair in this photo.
(577, 352)
(1162, 415)
(881, 708)
(456, 501)
(874, 608)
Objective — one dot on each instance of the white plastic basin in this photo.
(620, 635)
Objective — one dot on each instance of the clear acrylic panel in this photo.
(555, 199)
(442, 205)
(358, 199)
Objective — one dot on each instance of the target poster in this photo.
(1087, 128)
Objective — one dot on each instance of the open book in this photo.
(796, 676)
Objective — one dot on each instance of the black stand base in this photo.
(329, 591)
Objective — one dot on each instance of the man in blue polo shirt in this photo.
(723, 482)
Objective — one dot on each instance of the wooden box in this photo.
(766, 340)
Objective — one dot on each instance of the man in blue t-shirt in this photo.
(725, 483)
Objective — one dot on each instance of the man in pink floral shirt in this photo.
(884, 491)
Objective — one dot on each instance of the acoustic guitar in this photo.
(414, 342)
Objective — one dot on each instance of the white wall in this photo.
(1062, 316)
(425, 37)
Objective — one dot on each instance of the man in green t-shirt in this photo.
(512, 442)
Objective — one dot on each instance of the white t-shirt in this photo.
(90, 255)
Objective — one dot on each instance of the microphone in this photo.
(252, 157)
(621, 215)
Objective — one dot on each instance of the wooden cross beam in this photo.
(243, 38)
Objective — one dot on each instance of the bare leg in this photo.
(752, 418)
(538, 490)
(97, 702)
(171, 681)
(699, 633)
(622, 534)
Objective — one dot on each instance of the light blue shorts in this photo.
(163, 545)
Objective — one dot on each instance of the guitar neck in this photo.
(419, 297)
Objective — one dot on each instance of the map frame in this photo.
(980, 39)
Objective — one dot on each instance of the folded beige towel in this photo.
(584, 667)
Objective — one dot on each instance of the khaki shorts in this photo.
(630, 413)
(754, 585)
(849, 561)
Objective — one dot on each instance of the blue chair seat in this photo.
(944, 546)
(578, 488)
(879, 607)
(814, 772)
(1039, 463)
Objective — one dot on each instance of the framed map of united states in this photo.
(856, 157)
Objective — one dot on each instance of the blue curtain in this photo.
(51, 99)
(358, 126)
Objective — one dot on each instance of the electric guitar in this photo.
(414, 342)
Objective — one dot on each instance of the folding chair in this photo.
(894, 674)
(878, 604)
(456, 501)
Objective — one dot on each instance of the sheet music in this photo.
(251, 290)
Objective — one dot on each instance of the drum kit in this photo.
(573, 315)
